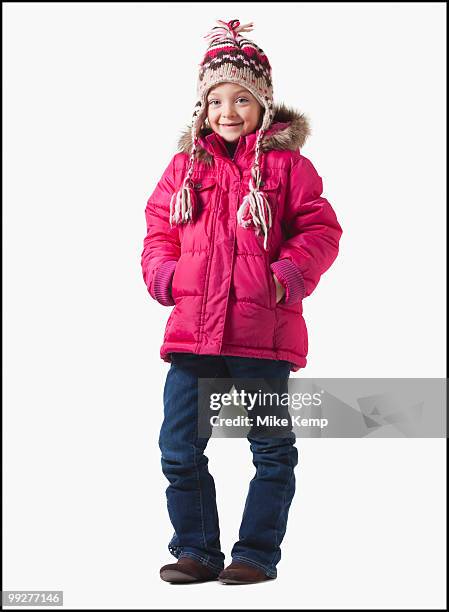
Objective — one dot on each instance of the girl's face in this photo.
(232, 111)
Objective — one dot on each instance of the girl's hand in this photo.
(280, 290)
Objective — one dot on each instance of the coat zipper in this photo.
(209, 264)
(201, 334)
(230, 275)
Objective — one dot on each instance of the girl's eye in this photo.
(212, 101)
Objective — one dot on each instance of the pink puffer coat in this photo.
(216, 273)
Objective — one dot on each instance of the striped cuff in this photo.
(162, 283)
(290, 276)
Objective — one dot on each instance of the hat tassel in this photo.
(182, 206)
(255, 210)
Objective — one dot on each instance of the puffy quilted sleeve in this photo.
(161, 246)
(312, 233)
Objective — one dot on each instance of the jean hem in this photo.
(210, 564)
(272, 573)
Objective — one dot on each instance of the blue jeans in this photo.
(191, 497)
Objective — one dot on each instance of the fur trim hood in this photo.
(289, 130)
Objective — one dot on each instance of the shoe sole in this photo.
(180, 577)
(231, 581)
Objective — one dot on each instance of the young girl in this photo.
(238, 234)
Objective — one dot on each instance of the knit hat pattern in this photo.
(231, 58)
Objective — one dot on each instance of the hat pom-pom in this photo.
(231, 28)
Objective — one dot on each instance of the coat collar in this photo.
(288, 131)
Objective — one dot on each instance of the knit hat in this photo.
(230, 57)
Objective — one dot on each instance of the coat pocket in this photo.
(190, 274)
(250, 282)
(269, 185)
(204, 188)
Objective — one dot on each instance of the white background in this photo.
(95, 98)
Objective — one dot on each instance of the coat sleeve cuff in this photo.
(162, 283)
(291, 278)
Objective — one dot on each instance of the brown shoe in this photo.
(187, 569)
(242, 573)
